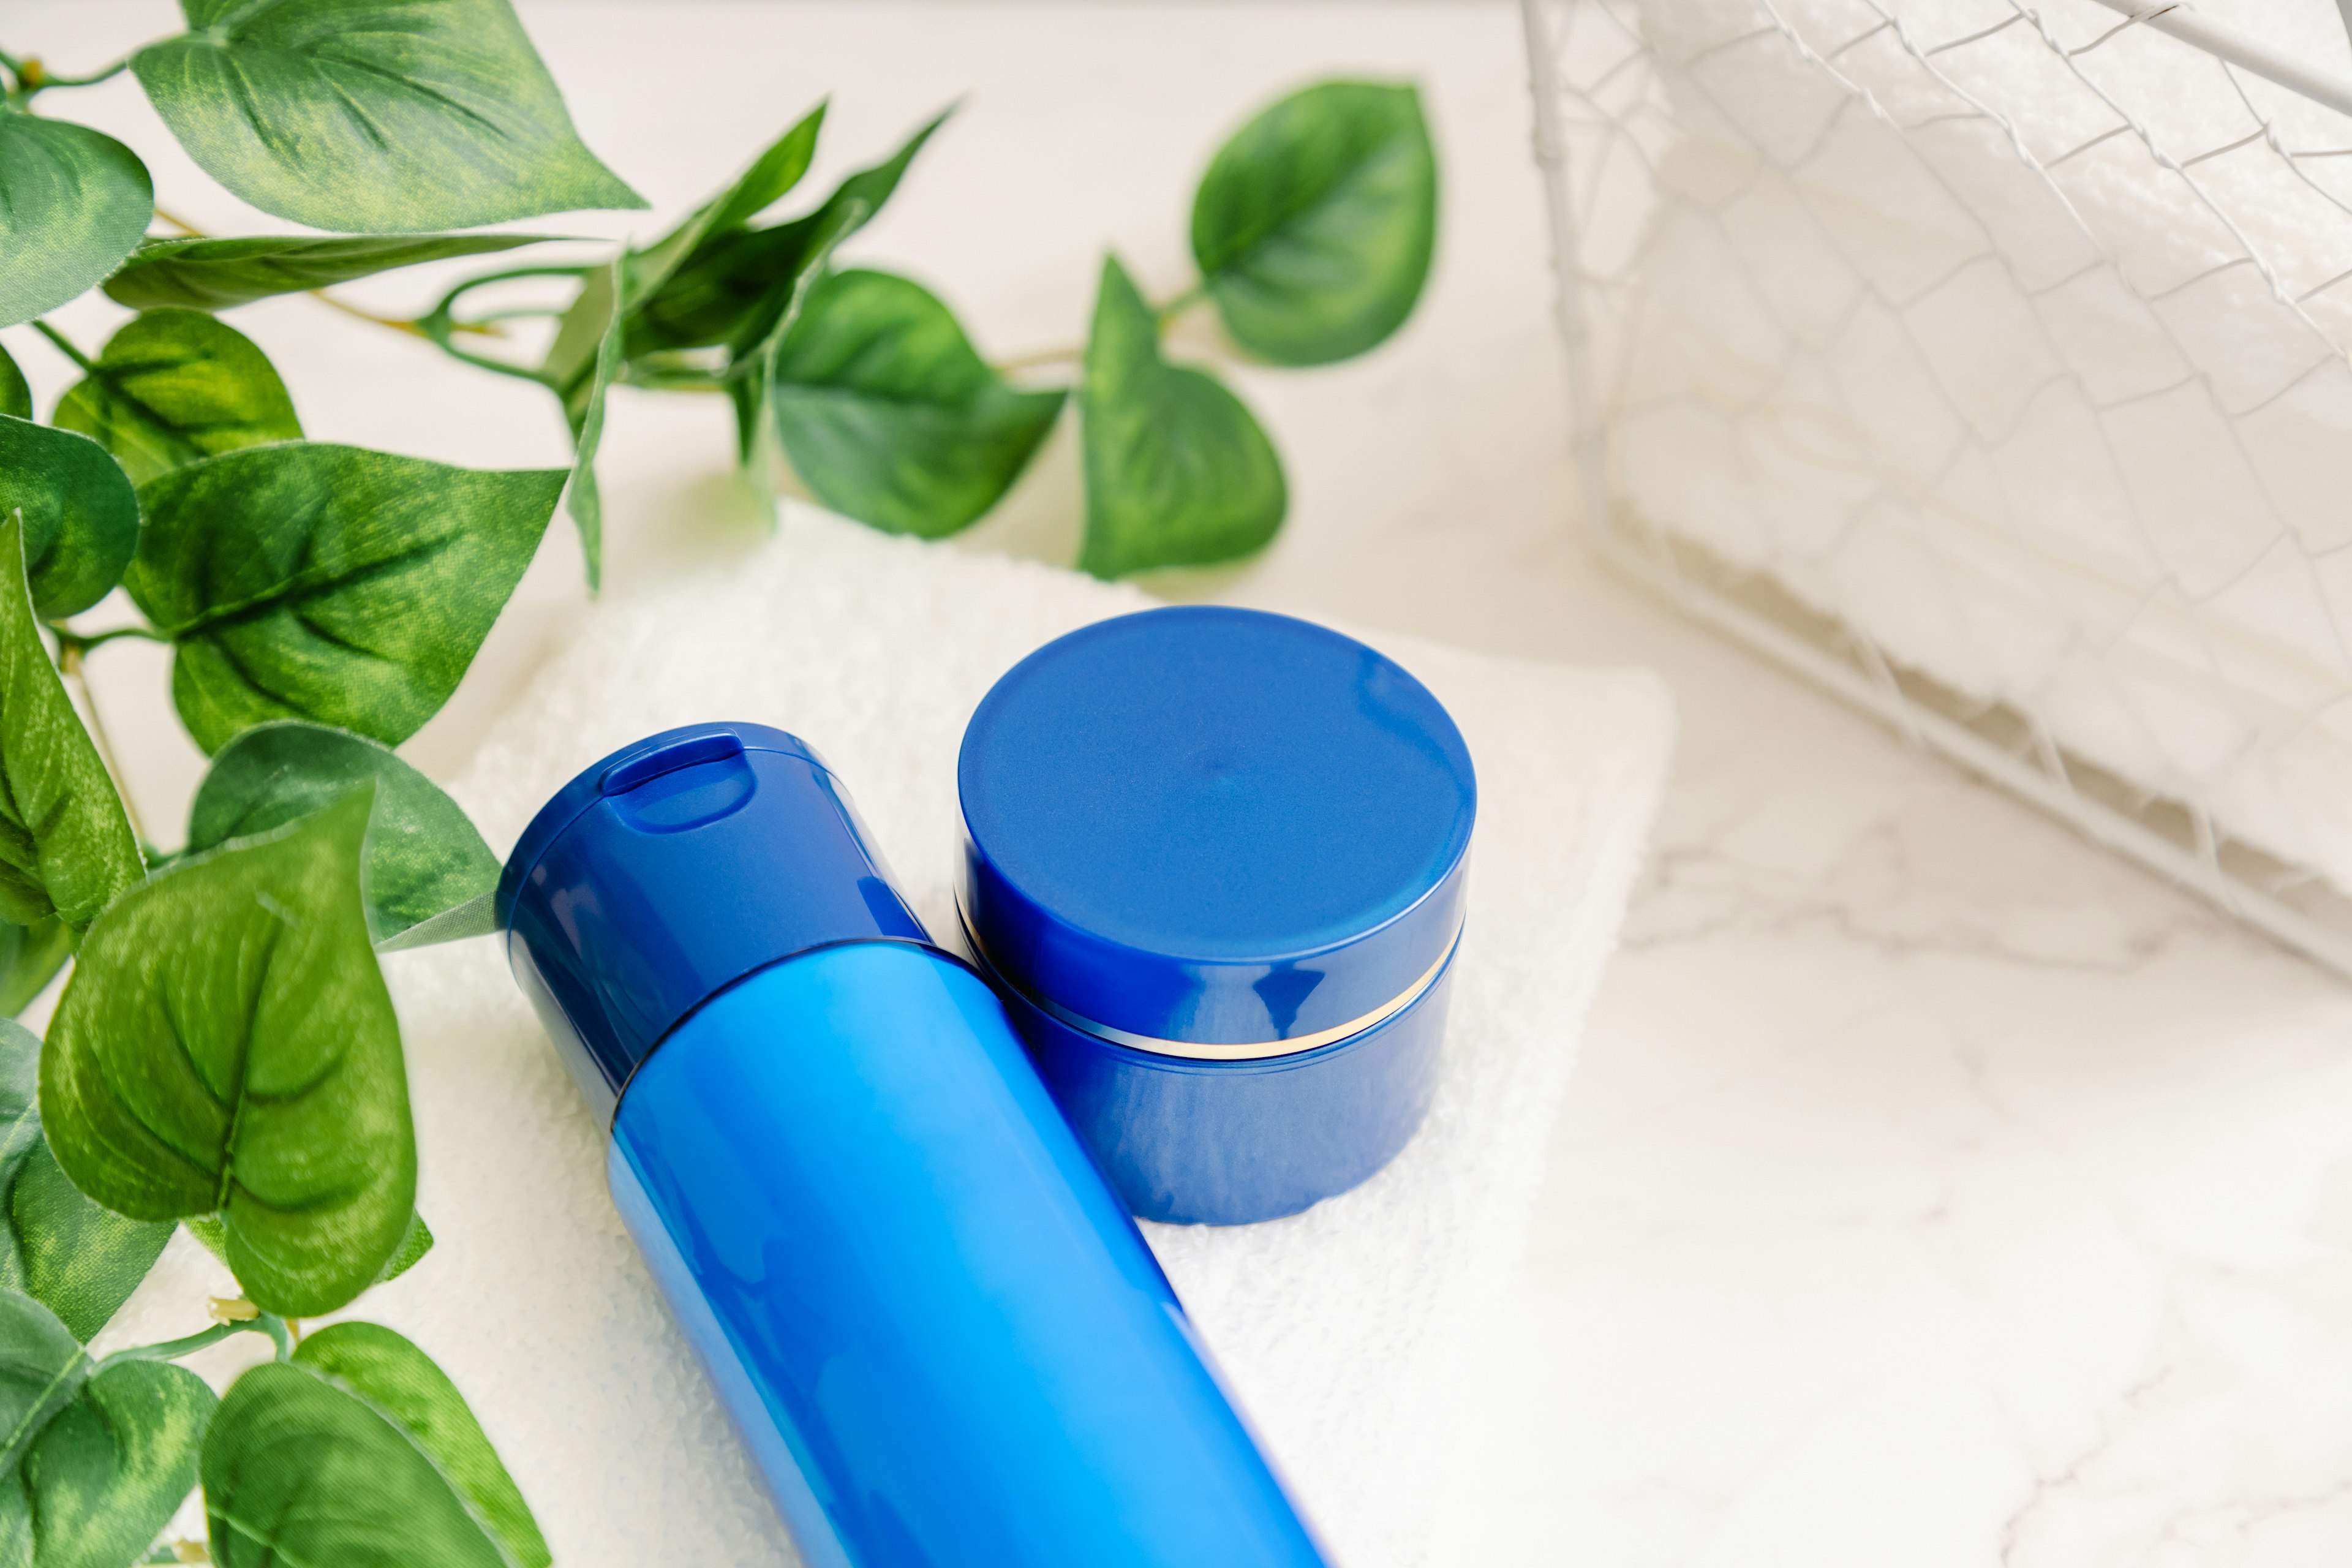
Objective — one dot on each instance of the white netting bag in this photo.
(1988, 362)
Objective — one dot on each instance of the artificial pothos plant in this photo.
(225, 1055)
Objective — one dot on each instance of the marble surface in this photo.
(1935, 1189)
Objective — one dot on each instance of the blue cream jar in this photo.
(1214, 860)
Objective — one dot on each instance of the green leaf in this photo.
(423, 856)
(77, 1258)
(1177, 471)
(66, 847)
(109, 1470)
(710, 296)
(226, 1044)
(771, 174)
(753, 422)
(81, 516)
(476, 916)
(577, 364)
(42, 1367)
(753, 349)
(579, 336)
(887, 414)
(1314, 226)
(219, 274)
(30, 957)
(63, 1250)
(20, 1081)
(16, 394)
(361, 1454)
(308, 581)
(585, 413)
(393, 116)
(175, 387)
(72, 204)
(414, 1243)
(737, 287)
(400, 1383)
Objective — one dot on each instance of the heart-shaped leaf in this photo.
(226, 1046)
(308, 581)
(72, 204)
(219, 274)
(66, 847)
(1177, 471)
(423, 856)
(359, 1452)
(79, 1261)
(1315, 225)
(30, 957)
(175, 387)
(81, 516)
(106, 1475)
(887, 414)
(15, 395)
(391, 116)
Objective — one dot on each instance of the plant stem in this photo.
(1070, 353)
(1181, 303)
(69, 666)
(281, 1333)
(483, 362)
(1066, 355)
(81, 644)
(394, 322)
(65, 345)
(34, 78)
(173, 1350)
(441, 322)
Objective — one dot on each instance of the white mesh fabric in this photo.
(2011, 340)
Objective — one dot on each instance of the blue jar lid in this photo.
(1205, 827)
(672, 869)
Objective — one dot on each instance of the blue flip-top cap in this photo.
(674, 868)
(1209, 825)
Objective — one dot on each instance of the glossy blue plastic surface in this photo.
(672, 868)
(1218, 826)
(941, 1335)
(1213, 825)
(1209, 1142)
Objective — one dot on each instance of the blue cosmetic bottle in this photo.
(940, 1336)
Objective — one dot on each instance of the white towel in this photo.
(1342, 1329)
